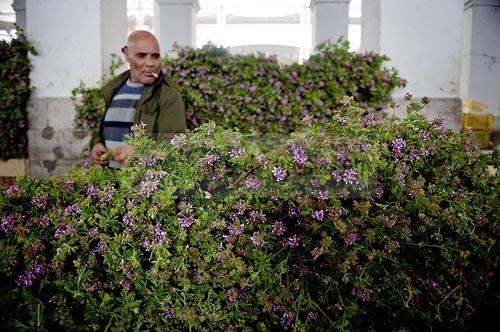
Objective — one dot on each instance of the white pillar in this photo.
(330, 20)
(68, 37)
(370, 25)
(19, 7)
(175, 22)
(423, 39)
(480, 79)
(113, 30)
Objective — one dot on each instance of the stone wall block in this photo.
(61, 112)
(37, 113)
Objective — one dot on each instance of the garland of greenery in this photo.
(15, 92)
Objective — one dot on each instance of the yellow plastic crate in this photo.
(477, 121)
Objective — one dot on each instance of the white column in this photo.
(423, 39)
(480, 79)
(19, 7)
(175, 22)
(113, 30)
(330, 20)
(370, 25)
(67, 35)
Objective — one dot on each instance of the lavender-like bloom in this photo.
(336, 176)
(186, 222)
(11, 190)
(398, 145)
(40, 201)
(64, 230)
(413, 155)
(286, 321)
(235, 153)
(257, 239)
(69, 185)
(85, 163)
(343, 120)
(209, 160)
(279, 228)
(72, 210)
(322, 195)
(252, 183)
(351, 237)
(299, 156)
(44, 221)
(93, 192)
(236, 230)
(318, 215)
(152, 175)
(279, 173)
(361, 294)
(106, 195)
(178, 140)
(147, 161)
(128, 219)
(349, 176)
(147, 188)
(293, 241)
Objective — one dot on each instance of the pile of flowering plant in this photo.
(360, 224)
(15, 91)
(256, 93)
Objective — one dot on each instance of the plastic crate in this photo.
(477, 121)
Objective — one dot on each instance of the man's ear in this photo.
(125, 50)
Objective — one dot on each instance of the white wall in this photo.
(424, 41)
(67, 35)
(481, 56)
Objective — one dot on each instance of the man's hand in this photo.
(123, 153)
(98, 154)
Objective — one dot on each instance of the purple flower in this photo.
(398, 145)
(361, 294)
(147, 188)
(93, 192)
(72, 210)
(69, 185)
(343, 120)
(152, 175)
(186, 222)
(351, 237)
(147, 161)
(279, 228)
(178, 141)
(336, 176)
(40, 201)
(106, 195)
(11, 190)
(235, 153)
(293, 241)
(128, 219)
(64, 230)
(299, 156)
(85, 163)
(318, 215)
(257, 239)
(209, 160)
(44, 221)
(349, 176)
(322, 195)
(279, 173)
(286, 321)
(252, 183)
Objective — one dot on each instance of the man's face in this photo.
(143, 56)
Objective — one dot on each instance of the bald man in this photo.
(144, 93)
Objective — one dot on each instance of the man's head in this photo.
(143, 55)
